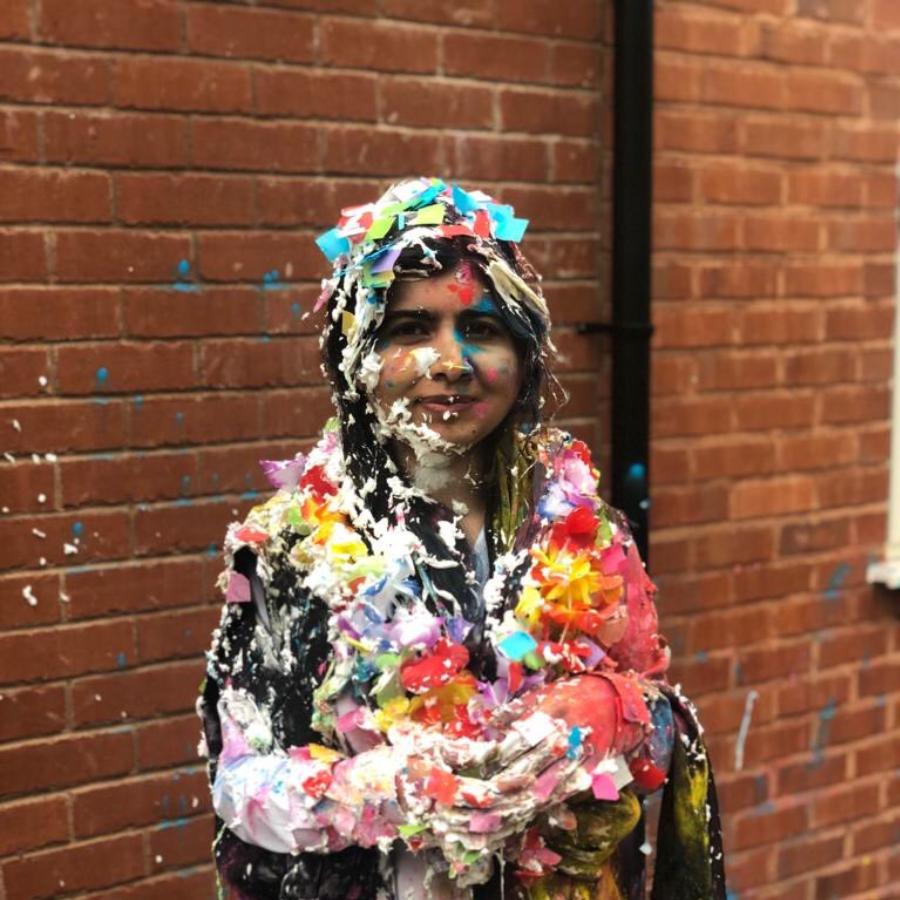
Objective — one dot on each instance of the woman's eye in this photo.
(406, 329)
(482, 328)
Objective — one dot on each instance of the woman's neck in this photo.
(453, 480)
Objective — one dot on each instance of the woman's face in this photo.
(445, 350)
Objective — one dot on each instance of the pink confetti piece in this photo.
(485, 823)
(604, 787)
(238, 588)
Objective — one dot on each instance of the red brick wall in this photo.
(776, 237)
(164, 167)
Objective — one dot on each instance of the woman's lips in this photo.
(441, 403)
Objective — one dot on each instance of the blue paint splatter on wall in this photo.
(183, 280)
(836, 582)
(823, 726)
(122, 659)
(271, 282)
(78, 529)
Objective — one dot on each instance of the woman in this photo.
(437, 673)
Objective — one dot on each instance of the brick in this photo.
(20, 369)
(795, 42)
(820, 366)
(811, 694)
(707, 326)
(196, 419)
(274, 147)
(136, 694)
(186, 844)
(851, 879)
(116, 139)
(16, 611)
(136, 587)
(864, 143)
(416, 103)
(798, 777)
(80, 866)
(672, 373)
(741, 545)
(695, 131)
(823, 280)
(817, 187)
(695, 592)
(736, 372)
(235, 256)
(776, 234)
(60, 426)
(879, 677)
(539, 112)
(168, 742)
(15, 21)
(768, 826)
(701, 33)
(685, 416)
(855, 404)
(744, 85)
(65, 651)
(22, 256)
(770, 580)
(878, 280)
(768, 663)
(350, 150)
(843, 804)
(49, 77)
(728, 183)
(65, 761)
(683, 507)
(114, 24)
(858, 322)
(378, 46)
(465, 13)
(580, 19)
(807, 854)
(786, 139)
(139, 801)
(868, 235)
(572, 65)
(164, 312)
(295, 200)
(181, 885)
(295, 412)
(735, 458)
(167, 83)
(320, 94)
(41, 196)
(32, 711)
(690, 231)
(853, 487)
(761, 412)
(113, 256)
(496, 57)
(672, 182)
(873, 836)
(18, 136)
(781, 324)
(881, 190)
(573, 161)
(885, 15)
(880, 756)
(174, 635)
(250, 33)
(32, 824)
(771, 497)
(833, 93)
(195, 527)
(806, 537)
(720, 630)
(105, 369)
(185, 200)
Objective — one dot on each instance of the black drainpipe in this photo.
(631, 328)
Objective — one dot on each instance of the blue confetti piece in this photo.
(517, 646)
(511, 229)
(575, 738)
(332, 243)
(463, 201)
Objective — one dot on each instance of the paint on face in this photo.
(448, 357)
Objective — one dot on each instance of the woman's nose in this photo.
(454, 362)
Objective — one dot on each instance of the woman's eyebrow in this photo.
(418, 314)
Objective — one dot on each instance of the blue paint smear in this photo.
(138, 401)
(637, 472)
(823, 727)
(836, 582)
(102, 374)
(271, 282)
(212, 550)
(182, 276)
(249, 495)
(78, 528)
(295, 310)
(122, 659)
(185, 482)
(702, 656)
(179, 418)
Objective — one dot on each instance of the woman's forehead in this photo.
(459, 288)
